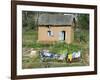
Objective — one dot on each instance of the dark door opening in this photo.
(63, 34)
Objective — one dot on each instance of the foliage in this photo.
(81, 32)
(82, 36)
(59, 48)
(83, 21)
(29, 19)
(73, 48)
(63, 48)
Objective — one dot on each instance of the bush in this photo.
(82, 36)
(73, 48)
(58, 47)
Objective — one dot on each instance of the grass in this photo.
(36, 63)
(29, 38)
(30, 41)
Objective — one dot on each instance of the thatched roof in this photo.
(55, 19)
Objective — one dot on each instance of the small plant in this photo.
(59, 48)
(73, 48)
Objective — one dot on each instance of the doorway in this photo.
(62, 35)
